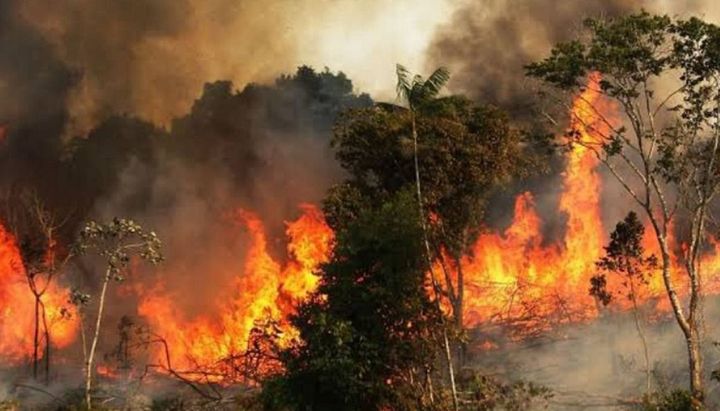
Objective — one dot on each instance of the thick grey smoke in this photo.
(485, 44)
(151, 58)
(104, 68)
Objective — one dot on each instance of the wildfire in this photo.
(17, 307)
(265, 290)
(514, 277)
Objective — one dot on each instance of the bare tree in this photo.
(36, 229)
(116, 242)
(40, 271)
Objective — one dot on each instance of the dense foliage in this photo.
(464, 151)
(368, 333)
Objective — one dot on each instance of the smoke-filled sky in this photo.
(68, 65)
(151, 58)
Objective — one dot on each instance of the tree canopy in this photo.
(464, 150)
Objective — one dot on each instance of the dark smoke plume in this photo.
(260, 147)
(34, 87)
(487, 43)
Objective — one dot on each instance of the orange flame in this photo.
(509, 276)
(514, 276)
(17, 307)
(264, 290)
(106, 372)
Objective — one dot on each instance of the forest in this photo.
(528, 220)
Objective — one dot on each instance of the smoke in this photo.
(34, 84)
(152, 58)
(598, 363)
(486, 44)
(107, 115)
(123, 79)
(601, 363)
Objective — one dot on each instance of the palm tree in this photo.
(414, 91)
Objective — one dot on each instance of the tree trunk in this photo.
(458, 306)
(641, 334)
(36, 338)
(46, 331)
(93, 346)
(688, 325)
(697, 388)
(421, 211)
(458, 309)
(429, 385)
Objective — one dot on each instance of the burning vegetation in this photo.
(299, 246)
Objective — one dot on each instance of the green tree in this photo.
(463, 151)
(458, 151)
(368, 334)
(116, 242)
(667, 156)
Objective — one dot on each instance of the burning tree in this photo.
(42, 265)
(474, 151)
(664, 76)
(42, 261)
(116, 242)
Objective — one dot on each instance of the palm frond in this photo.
(417, 90)
(437, 80)
(404, 86)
